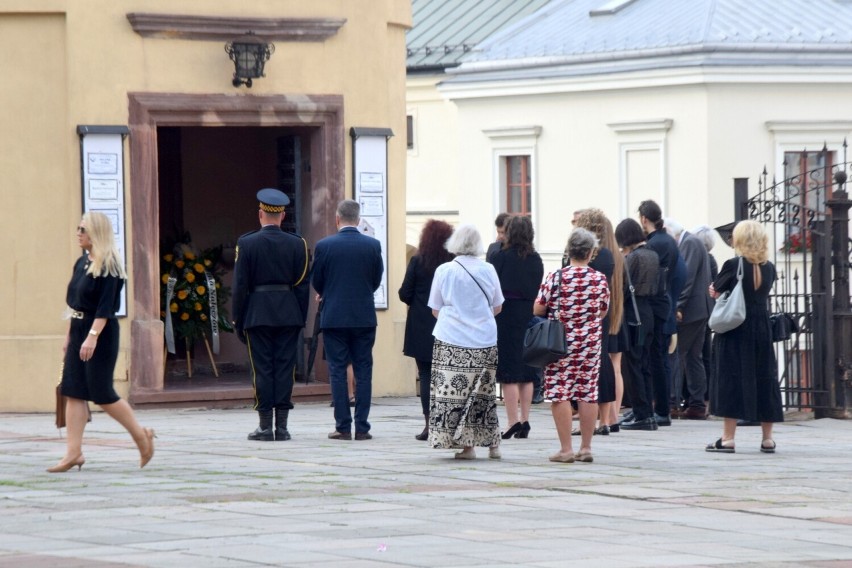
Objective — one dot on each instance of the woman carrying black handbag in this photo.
(580, 302)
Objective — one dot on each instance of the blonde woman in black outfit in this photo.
(746, 385)
(91, 345)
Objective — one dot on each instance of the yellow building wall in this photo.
(67, 63)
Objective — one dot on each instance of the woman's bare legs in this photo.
(525, 394)
(511, 394)
(766, 427)
(604, 412)
(562, 416)
(76, 416)
(121, 412)
(729, 430)
(588, 414)
(615, 408)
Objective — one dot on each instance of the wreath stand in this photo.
(189, 357)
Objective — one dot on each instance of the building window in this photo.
(409, 131)
(808, 176)
(518, 185)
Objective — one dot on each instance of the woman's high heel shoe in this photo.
(146, 455)
(524, 431)
(513, 431)
(66, 465)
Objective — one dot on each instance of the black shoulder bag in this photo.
(544, 341)
(634, 328)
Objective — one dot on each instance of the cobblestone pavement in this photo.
(210, 498)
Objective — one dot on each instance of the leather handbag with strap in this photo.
(634, 328)
(730, 310)
(544, 341)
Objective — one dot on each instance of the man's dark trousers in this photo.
(690, 345)
(660, 372)
(272, 353)
(342, 346)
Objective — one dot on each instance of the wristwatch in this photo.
(93, 332)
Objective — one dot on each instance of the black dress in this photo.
(605, 264)
(746, 379)
(95, 298)
(520, 279)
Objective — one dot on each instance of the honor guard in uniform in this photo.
(270, 305)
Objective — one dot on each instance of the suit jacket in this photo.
(493, 249)
(347, 271)
(694, 302)
(678, 281)
(266, 257)
(665, 246)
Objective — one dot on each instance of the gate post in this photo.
(841, 387)
(740, 199)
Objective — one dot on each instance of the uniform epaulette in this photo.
(249, 233)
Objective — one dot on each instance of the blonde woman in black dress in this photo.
(746, 385)
(91, 345)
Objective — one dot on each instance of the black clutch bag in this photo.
(782, 326)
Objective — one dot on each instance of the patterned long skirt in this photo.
(462, 398)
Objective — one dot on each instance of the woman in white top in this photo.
(465, 297)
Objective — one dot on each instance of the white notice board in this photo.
(370, 184)
(102, 165)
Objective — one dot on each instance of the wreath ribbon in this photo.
(170, 329)
(214, 310)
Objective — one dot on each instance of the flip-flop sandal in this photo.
(719, 447)
(575, 432)
(766, 448)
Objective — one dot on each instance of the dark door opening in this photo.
(208, 178)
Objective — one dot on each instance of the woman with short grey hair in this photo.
(465, 241)
(578, 296)
(465, 297)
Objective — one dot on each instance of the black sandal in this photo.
(766, 448)
(719, 447)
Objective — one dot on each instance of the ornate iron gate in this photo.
(806, 216)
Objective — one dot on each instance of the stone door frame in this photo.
(147, 111)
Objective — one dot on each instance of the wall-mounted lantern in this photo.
(249, 54)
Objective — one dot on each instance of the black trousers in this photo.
(690, 346)
(636, 363)
(660, 373)
(272, 354)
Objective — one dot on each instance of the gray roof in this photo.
(444, 31)
(637, 34)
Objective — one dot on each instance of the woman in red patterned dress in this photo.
(580, 303)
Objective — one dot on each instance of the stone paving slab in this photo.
(211, 498)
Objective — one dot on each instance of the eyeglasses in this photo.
(81, 230)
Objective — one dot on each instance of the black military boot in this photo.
(264, 431)
(281, 433)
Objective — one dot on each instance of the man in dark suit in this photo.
(347, 271)
(270, 307)
(651, 219)
(693, 310)
(500, 226)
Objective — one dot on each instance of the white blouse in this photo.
(465, 314)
